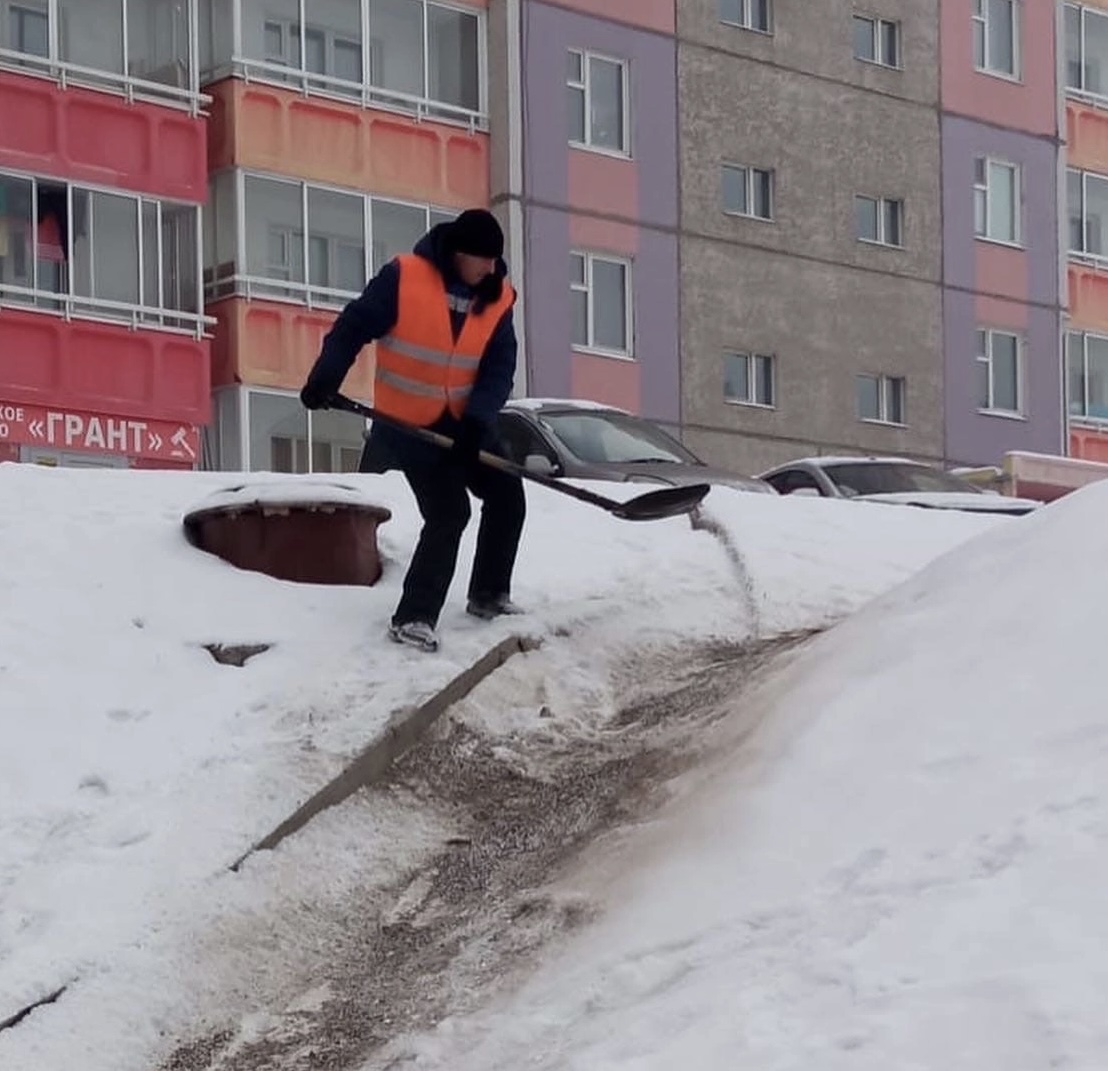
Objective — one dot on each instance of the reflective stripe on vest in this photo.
(422, 371)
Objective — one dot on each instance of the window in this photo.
(285, 437)
(103, 255)
(600, 295)
(748, 191)
(90, 34)
(996, 200)
(996, 37)
(877, 40)
(998, 369)
(522, 440)
(419, 56)
(28, 29)
(336, 244)
(303, 242)
(879, 219)
(748, 14)
(1087, 212)
(597, 102)
(1087, 50)
(881, 399)
(158, 44)
(116, 42)
(1087, 375)
(749, 379)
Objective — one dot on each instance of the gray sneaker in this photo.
(415, 634)
(487, 608)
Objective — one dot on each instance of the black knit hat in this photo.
(477, 233)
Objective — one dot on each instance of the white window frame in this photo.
(102, 310)
(245, 392)
(1084, 253)
(979, 20)
(584, 85)
(746, 17)
(877, 25)
(1081, 338)
(882, 203)
(9, 8)
(982, 191)
(590, 257)
(984, 355)
(273, 287)
(749, 175)
(754, 363)
(885, 384)
(1084, 12)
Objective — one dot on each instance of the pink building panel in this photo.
(996, 312)
(1001, 270)
(603, 235)
(605, 184)
(610, 380)
(657, 15)
(1029, 103)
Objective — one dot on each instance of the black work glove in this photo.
(467, 442)
(312, 396)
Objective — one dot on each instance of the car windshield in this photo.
(882, 478)
(615, 438)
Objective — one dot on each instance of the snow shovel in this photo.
(652, 506)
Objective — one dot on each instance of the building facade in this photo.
(104, 357)
(1086, 231)
(778, 229)
(340, 131)
(1003, 286)
(589, 190)
(810, 230)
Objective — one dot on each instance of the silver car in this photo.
(587, 441)
(890, 479)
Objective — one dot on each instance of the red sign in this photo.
(67, 429)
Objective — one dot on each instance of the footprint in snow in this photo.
(121, 714)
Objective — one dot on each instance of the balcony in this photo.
(423, 59)
(141, 50)
(79, 253)
(303, 243)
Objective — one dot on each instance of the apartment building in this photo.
(810, 229)
(340, 131)
(586, 177)
(778, 228)
(1003, 285)
(104, 357)
(1086, 234)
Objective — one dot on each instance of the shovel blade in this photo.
(668, 502)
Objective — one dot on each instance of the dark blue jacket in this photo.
(373, 314)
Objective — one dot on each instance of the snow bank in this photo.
(135, 768)
(903, 869)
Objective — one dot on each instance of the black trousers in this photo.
(440, 487)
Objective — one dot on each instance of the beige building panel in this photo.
(825, 324)
(818, 36)
(825, 143)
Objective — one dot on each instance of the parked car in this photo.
(890, 479)
(587, 441)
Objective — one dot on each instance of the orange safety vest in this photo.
(421, 370)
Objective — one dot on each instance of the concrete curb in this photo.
(371, 765)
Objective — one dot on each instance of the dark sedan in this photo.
(587, 441)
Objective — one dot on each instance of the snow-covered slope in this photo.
(902, 869)
(134, 768)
